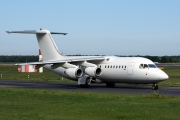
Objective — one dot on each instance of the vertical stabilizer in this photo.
(46, 43)
(47, 46)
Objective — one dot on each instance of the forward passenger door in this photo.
(130, 68)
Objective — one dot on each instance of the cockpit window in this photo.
(152, 66)
(141, 66)
(145, 66)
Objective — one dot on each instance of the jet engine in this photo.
(93, 71)
(74, 72)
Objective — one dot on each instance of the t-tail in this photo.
(46, 43)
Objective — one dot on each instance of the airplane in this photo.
(94, 69)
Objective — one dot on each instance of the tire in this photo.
(155, 87)
(86, 85)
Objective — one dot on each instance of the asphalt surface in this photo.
(98, 88)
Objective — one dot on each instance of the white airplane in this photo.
(99, 69)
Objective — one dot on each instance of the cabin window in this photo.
(125, 66)
(119, 66)
(105, 66)
(122, 66)
(113, 66)
(116, 66)
(108, 66)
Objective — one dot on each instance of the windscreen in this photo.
(152, 66)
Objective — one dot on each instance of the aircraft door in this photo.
(130, 68)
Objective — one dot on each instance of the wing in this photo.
(88, 61)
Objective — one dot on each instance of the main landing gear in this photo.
(154, 86)
(87, 83)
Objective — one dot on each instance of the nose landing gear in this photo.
(154, 86)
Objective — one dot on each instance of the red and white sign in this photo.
(27, 68)
(31, 68)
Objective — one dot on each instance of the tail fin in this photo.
(46, 43)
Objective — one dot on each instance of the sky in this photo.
(94, 27)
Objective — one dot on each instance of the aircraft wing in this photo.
(73, 60)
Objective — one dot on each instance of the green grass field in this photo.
(174, 77)
(11, 73)
(28, 104)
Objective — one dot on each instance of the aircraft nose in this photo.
(163, 75)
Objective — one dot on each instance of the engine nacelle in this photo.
(74, 72)
(93, 71)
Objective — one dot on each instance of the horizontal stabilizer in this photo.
(35, 32)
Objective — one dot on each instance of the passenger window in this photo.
(122, 66)
(141, 66)
(105, 66)
(119, 66)
(116, 66)
(108, 66)
(113, 66)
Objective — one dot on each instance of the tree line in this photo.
(164, 59)
(34, 58)
(19, 59)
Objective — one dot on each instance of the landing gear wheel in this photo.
(155, 87)
(110, 85)
(86, 85)
(88, 81)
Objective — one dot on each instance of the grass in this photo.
(174, 77)
(10, 72)
(31, 104)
